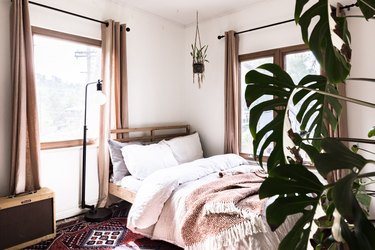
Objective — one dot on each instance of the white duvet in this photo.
(159, 205)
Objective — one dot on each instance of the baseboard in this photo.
(67, 213)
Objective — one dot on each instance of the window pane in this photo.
(246, 138)
(298, 65)
(62, 69)
(301, 64)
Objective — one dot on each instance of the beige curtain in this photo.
(25, 134)
(114, 114)
(231, 136)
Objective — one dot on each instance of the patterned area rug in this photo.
(111, 234)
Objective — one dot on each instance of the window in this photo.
(64, 64)
(298, 61)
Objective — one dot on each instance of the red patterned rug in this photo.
(111, 234)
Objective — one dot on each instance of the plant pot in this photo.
(198, 67)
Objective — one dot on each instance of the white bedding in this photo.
(131, 183)
(159, 206)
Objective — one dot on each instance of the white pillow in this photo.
(186, 148)
(143, 160)
(118, 165)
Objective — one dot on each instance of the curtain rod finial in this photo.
(127, 29)
(219, 37)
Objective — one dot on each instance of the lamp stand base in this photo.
(98, 214)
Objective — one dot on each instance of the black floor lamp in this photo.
(94, 214)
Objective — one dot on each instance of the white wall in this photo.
(61, 171)
(155, 73)
(205, 106)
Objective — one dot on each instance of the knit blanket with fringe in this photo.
(223, 212)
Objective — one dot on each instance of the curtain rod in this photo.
(71, 13)
(282, 22)
(258, 28)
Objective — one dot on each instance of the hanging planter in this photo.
(198, 68)
(199, 54)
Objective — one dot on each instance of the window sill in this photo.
(65, 144)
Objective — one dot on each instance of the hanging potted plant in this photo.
(199, 58)
(199, 54)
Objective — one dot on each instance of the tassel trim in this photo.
(231, 236)
(227, 208)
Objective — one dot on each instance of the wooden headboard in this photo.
(150, 134)
(146, 134)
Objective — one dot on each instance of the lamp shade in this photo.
(100, 98)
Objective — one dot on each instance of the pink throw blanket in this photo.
(223, 212)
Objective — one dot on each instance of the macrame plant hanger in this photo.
(198, 66)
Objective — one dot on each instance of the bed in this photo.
(142, 135)
(170, 203)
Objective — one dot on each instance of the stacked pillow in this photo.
(142, 160)
(185, 148)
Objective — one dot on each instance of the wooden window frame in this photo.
(278, 55)
(73, 38)
(65, 36)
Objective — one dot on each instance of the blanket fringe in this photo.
(227, 208)
(231, 236)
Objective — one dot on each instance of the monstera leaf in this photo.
(337, 156)
(298, 192)
(317, 111)
(335, 61)
(280, 85)
(277, 83)
(367, 7)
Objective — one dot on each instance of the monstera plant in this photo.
(297, 189)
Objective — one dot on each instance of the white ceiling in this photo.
(184, 11)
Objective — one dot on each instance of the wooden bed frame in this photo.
(146, 134)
